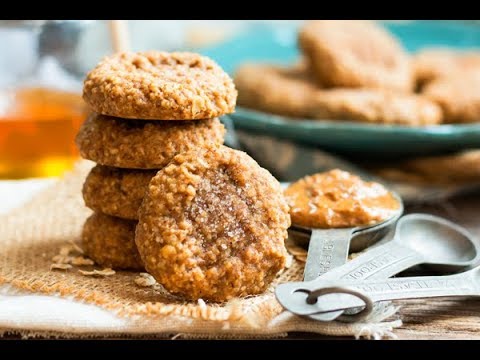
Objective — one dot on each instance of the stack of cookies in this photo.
(146, 109)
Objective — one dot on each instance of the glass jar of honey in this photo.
(37, 130)
(41, 108)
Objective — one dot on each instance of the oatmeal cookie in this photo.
(213, 225)
(291, 92)
(458, 96)
(377, 106)
(110, 242)
(276, 89)
(159, 86)
(431, 64)
(116, 192)
(142, 144)
(354, 53)
(337, 199)
(454, 169)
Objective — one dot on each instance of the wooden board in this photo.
(440, 319)
(444, 318)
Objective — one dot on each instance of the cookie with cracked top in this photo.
(159, 86)
(355, 53)
(213, 225)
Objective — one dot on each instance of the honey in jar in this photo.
(37, 131)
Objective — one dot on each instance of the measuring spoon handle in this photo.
(380, 262)
(464, 284)
(327, 249)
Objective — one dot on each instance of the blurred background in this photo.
(42, 64)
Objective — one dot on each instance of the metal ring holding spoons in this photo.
(371, 291)
(366, 310)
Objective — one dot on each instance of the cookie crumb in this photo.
(81, 260)
(61, 259)
(353, 256)
(72, 260)
(145, 280)
(289, 261)
(103, 272)
(65, 250)
(60, 266)
(77, 248)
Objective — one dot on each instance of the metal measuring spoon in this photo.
(419, 239)
(329, 248)
(346, 294)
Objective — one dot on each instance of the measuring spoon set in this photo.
(334, 288)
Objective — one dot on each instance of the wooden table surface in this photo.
(445, 319)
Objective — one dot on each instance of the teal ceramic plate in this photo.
(278, 45)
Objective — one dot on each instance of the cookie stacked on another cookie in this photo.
(146, 109)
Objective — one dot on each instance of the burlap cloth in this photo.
(32, 234)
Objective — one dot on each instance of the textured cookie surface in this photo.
(160, 86)
(458, 96)
(116, 192)
(213, 225)
(454, 169)
(275, 89)
(431, 64)
(110, 242)
(141, 144)
(354, 53)
(291, 92)
(377, 106)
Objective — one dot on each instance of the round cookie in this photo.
(355, 53)
(213, 225)
(159, 86)
(431, 64)
(277, 90)
(110, 242)
(458, 96)
(116, 192)
(338, 199)
(290, 92)
(142, 144)
(454, 169)
(377, 106)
